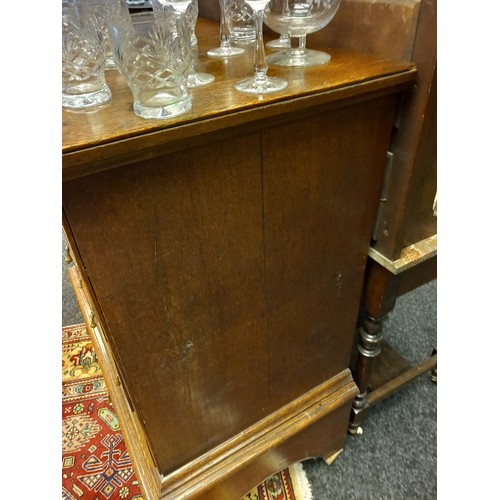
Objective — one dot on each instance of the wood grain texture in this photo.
(130, 427)
(248, 273)
(179, 262)
(269, 446)
(420, 221)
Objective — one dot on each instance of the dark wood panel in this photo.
(173, 249)
(201, 279)
(321, 185)
(420, 220)
(417, 276)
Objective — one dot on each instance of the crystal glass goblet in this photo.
(260, 83)
(184, 15)
(225, 48)
(151, 58)
(298, 18)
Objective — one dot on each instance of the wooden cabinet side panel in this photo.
(322, 179)
(229, 275)
(173, 251)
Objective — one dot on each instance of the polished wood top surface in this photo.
(218, 105)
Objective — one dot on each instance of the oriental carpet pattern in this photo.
(95, 461)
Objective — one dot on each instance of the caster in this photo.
(355, 431)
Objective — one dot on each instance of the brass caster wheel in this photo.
(356, 431)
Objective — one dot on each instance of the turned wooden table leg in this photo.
(379, 298)
(370, 337)
(378, 369)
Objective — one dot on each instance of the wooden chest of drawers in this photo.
(219, 260)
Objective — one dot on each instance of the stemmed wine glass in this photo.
(186, 14)
(260, 83)
(225, 49)
(298, 19)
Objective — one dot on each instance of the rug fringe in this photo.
(302, 481)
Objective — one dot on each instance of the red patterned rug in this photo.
(95, 461)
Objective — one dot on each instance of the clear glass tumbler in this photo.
(102, 9)
(182, 18)
(152, 59)
(239, 16)
(83, 60)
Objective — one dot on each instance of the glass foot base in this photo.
(226, 52)
(283, 42)
(89, 100)
(162, 112)
(199, 79)
(265, 85)
(298, 58)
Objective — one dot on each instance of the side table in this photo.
(403, 249)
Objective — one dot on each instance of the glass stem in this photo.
(224, 28)
(302, 45)
(260, 63)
